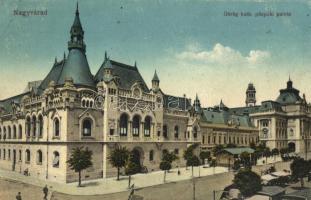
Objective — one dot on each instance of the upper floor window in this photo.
(87, 127)
(147, 126)
(27, 156)
(56, 127)
(195, 132)
(176, 131)
(40, 122)
(9, 132)
(56, 159)
(34, 126)
(123, 124)
(135, 125)
(14, 132)
(39, 157)
(165, 131)
(28, 126)
(20, 132)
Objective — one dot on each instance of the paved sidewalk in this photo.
(110, 185)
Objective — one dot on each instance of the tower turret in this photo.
(197, 104)
(155, 82)
(250, 95)
(76, 34)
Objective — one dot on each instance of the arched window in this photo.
(135, 125)
(176, 132)
(87, 103)
(40, 119)
(56, 159)
(147, 126)
(4, 133)
(14, 132)
(151, 155)
(87, 127)
(39, 157)
(123, 124)
(20, 132)
(91, 104)
(34, 126)
(83, 103)
(195, 132)
(165, 131)
(56, 127)
(20, 155)
(28, 126)
(9, 132)
(27, 156)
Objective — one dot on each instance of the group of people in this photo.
(45, 192)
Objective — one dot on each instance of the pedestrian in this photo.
(178, 171)
(45, 191)
(19, 196)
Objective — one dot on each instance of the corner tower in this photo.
(250, 95)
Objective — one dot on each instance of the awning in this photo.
(268, 177)
(281, 173)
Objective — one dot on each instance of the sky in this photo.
(192, 44)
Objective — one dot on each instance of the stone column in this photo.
(129, 130)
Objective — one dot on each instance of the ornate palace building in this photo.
(283, 123)
(71, 107)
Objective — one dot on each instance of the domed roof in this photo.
(289, 95)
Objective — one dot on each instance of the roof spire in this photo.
(135, 64)
(77, 10)
(64, 55)
(155, 76)
(106, 55)
(55, 59)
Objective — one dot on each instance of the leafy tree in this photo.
(275, 152)
(213, 164)
(300, 168)
(188, 153)
(193, 161)
(79, 160)
(284, 151)
(230, 145)
(118, 158)
(169, 157)
(247, 182)
(131, 168)
(266, 153)
(245, 158)
(165, 166)
(204, 155)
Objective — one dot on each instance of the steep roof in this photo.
(174, 102)
(76, 67)
(128, 75)
(225, 118)
(6, 103)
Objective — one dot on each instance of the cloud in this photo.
(223, 55)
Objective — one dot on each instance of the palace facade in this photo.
(71, 107)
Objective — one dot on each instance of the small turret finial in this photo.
(77, 10)
(55, 59)
(106, 57)
(64, 55)
(135, 64)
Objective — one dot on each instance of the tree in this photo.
(217, 150)
(165, 166)
(188, 153)
(169, 157)
(230, 145)
(266, 153)
(245, 158)
(213, 164)
(300, 168)
(247, 182)
(204, 155)
(193, 161)
(79, 160)
(275, 152)
(131, 168)
(118, 158)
